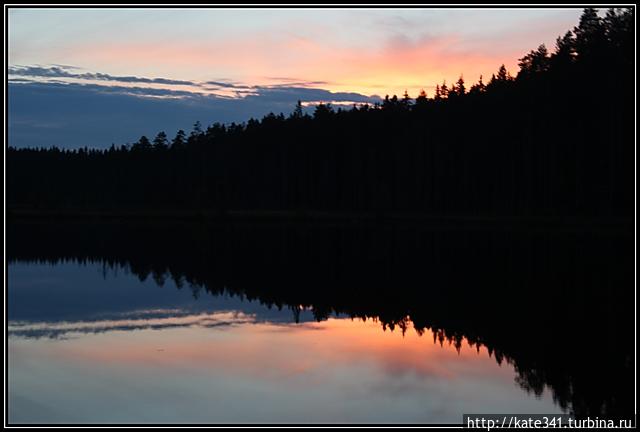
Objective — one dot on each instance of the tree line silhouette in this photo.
(555, 140)
(556, 305)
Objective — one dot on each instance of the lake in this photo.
(111, 323)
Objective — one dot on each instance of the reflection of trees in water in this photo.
(556, 306)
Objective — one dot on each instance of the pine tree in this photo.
(297, 111)
(444, 91)
(460, 88)
(422, 98)
(590, 34)
(479, 87)
(535, 62)
(142, 145)
(160, 142)
(179, 141)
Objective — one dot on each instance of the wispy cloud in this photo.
(65, 71)
(290, 92)
(135, 320)
(282, 89)
(281, 93)
(231, 85)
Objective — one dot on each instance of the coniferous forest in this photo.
(555, 139)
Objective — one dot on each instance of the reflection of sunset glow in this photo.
(283, 350)
(335, 370)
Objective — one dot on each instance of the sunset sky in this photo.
(96, 76)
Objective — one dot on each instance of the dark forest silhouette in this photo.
(556, 140)
(556, 305)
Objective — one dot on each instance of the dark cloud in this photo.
(65, 66)
(63, 71)
(72, 115)
(292, 94)
(55, 331)
(291, 82)
(223, 84)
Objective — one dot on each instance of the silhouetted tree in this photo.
(534, 63)
(589, 34)
(458, 89)
(142, 145)
(297, 112)
(444, 90)
(565, 52)
(179, 141)
(421, 100)
(323, 111)
(437, 94)
(160, 142)
(479, 87)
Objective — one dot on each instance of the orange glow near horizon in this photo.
(367, 51)
(283, 350)
(339, 370)
(388, 70)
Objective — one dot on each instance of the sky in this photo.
(92, 77)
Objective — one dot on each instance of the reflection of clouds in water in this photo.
(253, 372)
(156, 319)
(70, 292)
(293, 327)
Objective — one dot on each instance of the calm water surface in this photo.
(324, 324)
(85, 346)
